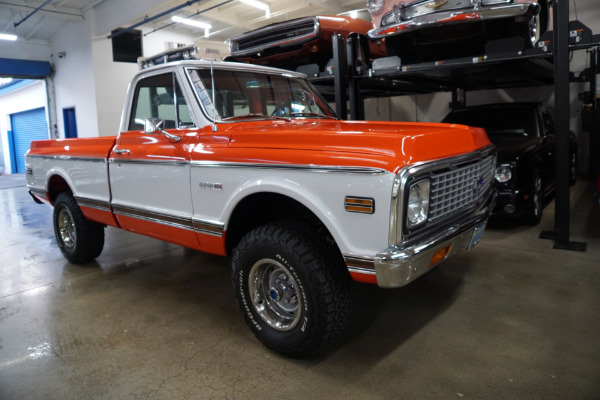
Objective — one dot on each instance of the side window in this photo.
(160, 97)
(548, 121)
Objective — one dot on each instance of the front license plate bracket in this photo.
(477, 235)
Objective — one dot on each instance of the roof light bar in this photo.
(178, 54)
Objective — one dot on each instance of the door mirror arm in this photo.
(154, 125)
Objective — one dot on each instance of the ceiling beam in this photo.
(65, 13)
(36, 28)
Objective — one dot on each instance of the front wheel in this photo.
(293, 290)
(79, 239)
(536, 200)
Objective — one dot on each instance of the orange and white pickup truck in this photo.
(250, 161)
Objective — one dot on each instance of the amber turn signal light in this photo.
(440, 255)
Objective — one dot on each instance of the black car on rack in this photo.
(525, 170)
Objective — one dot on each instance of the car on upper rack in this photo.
(525, 171)
(304, 41)
(431, 30)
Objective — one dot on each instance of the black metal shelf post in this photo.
(340, 73)
(561, 233)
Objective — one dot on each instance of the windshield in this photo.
(255, 95)
(501, 121)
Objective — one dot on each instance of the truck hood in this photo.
(388, 145)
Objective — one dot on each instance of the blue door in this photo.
(70, 122)
(26, 126)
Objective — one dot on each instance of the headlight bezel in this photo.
(503, 173)
(417, 203)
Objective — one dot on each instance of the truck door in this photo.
(149, 170)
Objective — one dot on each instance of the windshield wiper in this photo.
(254, 116)
(311, 114)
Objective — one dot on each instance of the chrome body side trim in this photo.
(68, 158)
(93, 203)
(209, 227)
(175, 162)
(196, 225)
(38, 192)
(360, 263)
(160, 218)
(33, 196)
(311, 168)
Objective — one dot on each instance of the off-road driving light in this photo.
(374, 6)
(418, 204)
(503, 173)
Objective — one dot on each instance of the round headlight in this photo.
(374, 6)
(418, 204)
(503, 173)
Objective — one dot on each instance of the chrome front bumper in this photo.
(442, 18)
(398, 266)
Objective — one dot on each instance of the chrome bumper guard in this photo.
(397, 266)
(454, 16)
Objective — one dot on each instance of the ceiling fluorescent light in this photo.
(6, 36)
(191, 22)
(260, 5)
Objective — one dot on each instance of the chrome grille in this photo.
(458, 188)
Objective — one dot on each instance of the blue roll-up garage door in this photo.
(27, 126)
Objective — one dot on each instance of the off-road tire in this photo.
(292, 288)
(79, 239)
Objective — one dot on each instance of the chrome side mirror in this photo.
(155, 125)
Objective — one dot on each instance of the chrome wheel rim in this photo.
(66, 228)
(274, 294)
(537, 196)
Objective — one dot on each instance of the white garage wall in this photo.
(74, 77)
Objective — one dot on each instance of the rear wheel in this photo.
(293, 290)
(573, 169)
(79, 239)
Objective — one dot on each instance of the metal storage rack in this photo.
(348, 84)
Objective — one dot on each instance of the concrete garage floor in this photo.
(512, 319)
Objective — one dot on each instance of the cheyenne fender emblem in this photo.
(211, 185)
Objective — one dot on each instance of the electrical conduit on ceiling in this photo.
(146, 20)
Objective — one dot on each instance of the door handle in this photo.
(122, 151)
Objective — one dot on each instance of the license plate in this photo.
(477, 234)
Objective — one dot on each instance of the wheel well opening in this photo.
(263, 208)
(56, 185)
